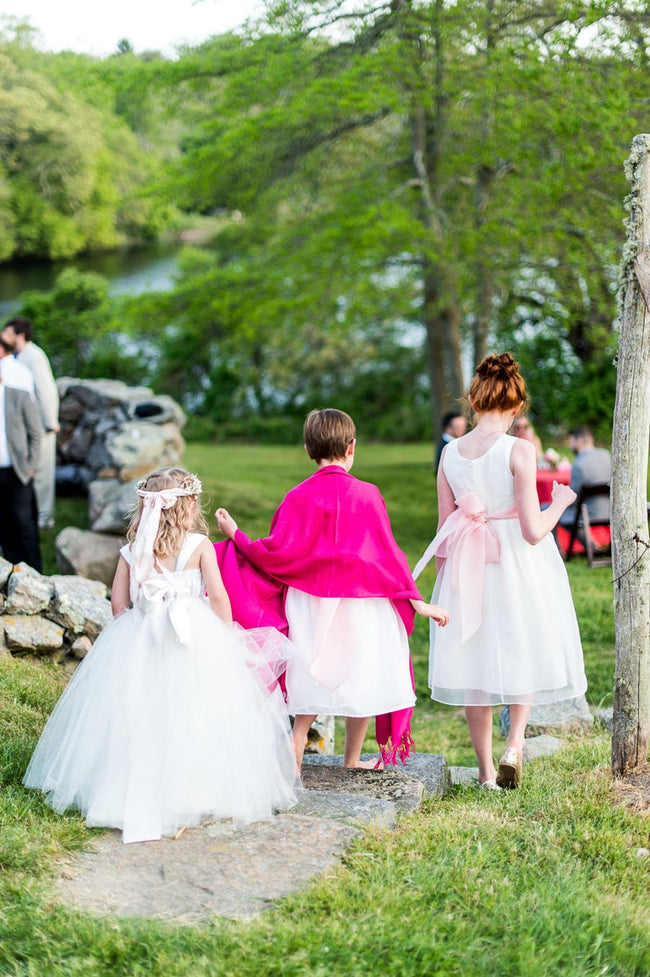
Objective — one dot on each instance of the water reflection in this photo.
(130, 271)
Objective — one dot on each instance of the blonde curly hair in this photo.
(185, 516)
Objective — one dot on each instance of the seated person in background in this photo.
(522, 428)
(591, 466)
(454, 425)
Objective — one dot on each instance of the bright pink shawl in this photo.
(330, 537)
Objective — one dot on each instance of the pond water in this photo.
(129, 271)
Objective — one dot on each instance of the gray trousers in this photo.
(45, 479)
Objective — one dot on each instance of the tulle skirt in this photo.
(152, 735)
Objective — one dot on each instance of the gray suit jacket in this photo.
(23, 426)
(591, 466)
(47, 394)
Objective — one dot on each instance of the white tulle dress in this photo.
(527, 646)
(169, 720)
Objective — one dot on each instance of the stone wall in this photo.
(111, 430)
(59, 616)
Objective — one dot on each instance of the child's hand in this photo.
(564, 494)
(438, 614)
(226, 523)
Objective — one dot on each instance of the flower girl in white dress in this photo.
(174, 716)
(512, 636)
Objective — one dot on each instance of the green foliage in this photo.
(392, 186)
(72, 174)
(347, 247)
(564, 391)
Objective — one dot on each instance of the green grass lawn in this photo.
(542, 881)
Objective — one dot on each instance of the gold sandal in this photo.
(509, 772)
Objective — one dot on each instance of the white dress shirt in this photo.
(17, 375)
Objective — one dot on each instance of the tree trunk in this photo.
(484, 180)
(441, 318)
(630, 553)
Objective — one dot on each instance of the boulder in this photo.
(28, 592)
(6, 569)
(110, 503)
(109, 429)
(560, 718)
(32, 633)
(137, 447)
(80, 648)
(88, 554)
(80, 605)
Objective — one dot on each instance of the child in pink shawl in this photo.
(346, 594)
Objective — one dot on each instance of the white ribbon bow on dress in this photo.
(161, 592)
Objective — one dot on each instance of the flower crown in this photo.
(195, 488)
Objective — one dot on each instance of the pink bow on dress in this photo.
(467, 541)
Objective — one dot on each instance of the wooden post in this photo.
(630, 553)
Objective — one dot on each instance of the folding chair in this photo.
(582, 521)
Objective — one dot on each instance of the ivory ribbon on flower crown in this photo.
(143, 556)
(467, 541)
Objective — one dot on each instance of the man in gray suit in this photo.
(17, 333)
(20, 437)
(591, 466)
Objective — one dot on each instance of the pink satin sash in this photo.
(467, 541)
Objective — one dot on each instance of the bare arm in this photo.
(436, 613)
(446, 505)
(535, 523)
(217, 594)
(120, 596)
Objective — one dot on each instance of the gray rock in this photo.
(87, 554)
(464, 776)
(138, 447)
(218, 870)
(320, 738)
(80, 648)
(80, 605)
(404, 792)
(539, 746)
(6, 569)
(350, 809)
(569, 716)
(110, 503)
(429, 768)
(32, 634)
(111, 430)
(107, 397)
(28, 592)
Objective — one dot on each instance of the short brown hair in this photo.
(497, 384)
(327, 433)
(21, 326)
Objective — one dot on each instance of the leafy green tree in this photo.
(72, 176)
(426, 165)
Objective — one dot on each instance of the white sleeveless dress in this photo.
(168, 721)
(527, 647)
